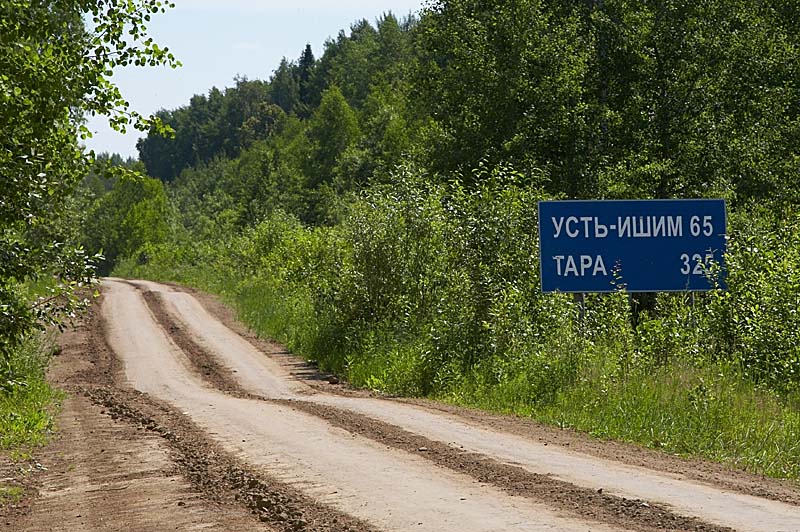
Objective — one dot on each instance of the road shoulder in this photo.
(101, 473)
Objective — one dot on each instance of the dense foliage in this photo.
(56, 59)
(432, 289)
(375, 209)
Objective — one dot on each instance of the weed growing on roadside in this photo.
(26, 413)
(427, 289)
(10, 494)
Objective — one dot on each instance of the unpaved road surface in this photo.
(183, 420)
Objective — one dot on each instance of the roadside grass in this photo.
(10, 494)
(27, 412)
(679, 408)
(284, 316)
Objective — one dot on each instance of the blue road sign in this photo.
(645, 245)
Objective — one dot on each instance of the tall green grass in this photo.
(682, 410)
(27, 411)
(432, 290)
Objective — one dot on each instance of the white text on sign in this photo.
(631, 226)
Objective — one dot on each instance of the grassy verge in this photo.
(705, 412)
(27, 412)
(708, 411)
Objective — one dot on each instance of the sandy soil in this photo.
(103, 474)
(180, 418)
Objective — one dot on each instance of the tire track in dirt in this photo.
(214, 471)
(206, 365)
(634, 514)
(783, 518)
(393, 490)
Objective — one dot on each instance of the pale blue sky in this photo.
(217, 40)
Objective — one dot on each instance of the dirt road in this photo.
(260, 436)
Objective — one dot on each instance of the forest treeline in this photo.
(594, 98)
(375, 209)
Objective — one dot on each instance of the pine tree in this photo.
(308, 98)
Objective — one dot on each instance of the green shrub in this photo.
(27, 410)
(427, 289)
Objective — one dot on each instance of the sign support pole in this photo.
(580, 299)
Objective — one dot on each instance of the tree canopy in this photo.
(647, 99)
(56, 60)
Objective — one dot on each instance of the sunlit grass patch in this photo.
(679, 409)
(10, 494)
(27, 410)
